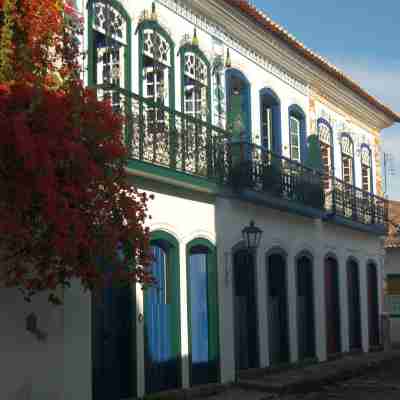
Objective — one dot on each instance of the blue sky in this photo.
(361, 37)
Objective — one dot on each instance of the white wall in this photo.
(56, 369)
(292, 234)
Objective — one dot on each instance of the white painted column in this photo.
(292, 308)
(261, 287)
(364, 305)
(140, 367)
(319, 306)
(184, 317)
(77, 371)
(226, 326)
(344, 304)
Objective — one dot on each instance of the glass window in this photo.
(325, 141)
(195, 86)
(294, 129)
(347, 160)
(110, 44)
(366, 170)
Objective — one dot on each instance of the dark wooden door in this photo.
(113, 344)
(373, 305)
(353, 287)
(277, 310)
(305, 308)
(332, 306)
(245, 311)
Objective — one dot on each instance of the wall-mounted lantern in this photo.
(252, 236)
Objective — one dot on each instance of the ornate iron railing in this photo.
(159, 135)
(165, 137)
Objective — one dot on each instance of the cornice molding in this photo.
(217, 31)
(274, 56)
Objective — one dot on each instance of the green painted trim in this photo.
(392, 276)
(395, 316)
(155, 26)
(188, 47)
(91, 55)
(173, 177)
(171, 244)
(212, 299)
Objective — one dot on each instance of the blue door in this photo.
(161, 364)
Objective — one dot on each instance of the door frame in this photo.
(309, 255)
(281, 252)
(237, 248)
(212, 276)
(359, 334)
(166, 239)
(337, 283)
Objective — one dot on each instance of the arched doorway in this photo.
(305, 307)
(373, 304)
(353, 287)
(277, 309)
(203, 312)
(162, 317)
(114, 364)
(245, 310)
(332, 302)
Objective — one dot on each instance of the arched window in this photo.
(347, 149)
(203, 311)
(196, 81)
(270, 121)
(109, 47)
(325, 137)
(238, 103)
(297, 133)
(156, 63)
(366, 168)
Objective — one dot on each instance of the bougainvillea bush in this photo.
(65, 201)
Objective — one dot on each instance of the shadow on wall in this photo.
(31, 369)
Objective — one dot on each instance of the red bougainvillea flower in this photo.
(65, 204)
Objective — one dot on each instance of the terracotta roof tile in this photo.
(265, 22)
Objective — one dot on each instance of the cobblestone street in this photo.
(382, 383)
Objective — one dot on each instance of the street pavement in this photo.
(380, 384)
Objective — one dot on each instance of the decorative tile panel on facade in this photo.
(229, 119)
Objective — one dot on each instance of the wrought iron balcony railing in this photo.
(161, 136)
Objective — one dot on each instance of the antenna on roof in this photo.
(388, 169)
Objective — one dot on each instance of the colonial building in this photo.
(392, 272)
(230, 119)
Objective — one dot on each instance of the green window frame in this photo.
(196, 78)
(115, 34)
(156, 66)
(171, 246)
(212, 297)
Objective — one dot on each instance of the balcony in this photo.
(169, 142)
